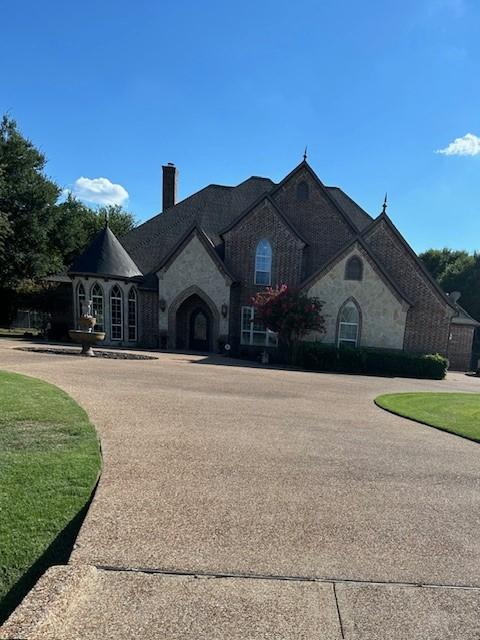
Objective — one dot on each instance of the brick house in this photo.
(185, 278)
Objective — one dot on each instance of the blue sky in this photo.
(226, 90)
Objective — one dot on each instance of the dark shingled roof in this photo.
(212, 209)
(357, 215)
(105, 256)
(463, 317)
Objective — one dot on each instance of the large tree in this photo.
(457, 271)
(39, 234)
(77, 225)
(28, 209)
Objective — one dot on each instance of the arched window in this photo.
(132, 314)
(116, 313)
(263, 263)
(96, 295)
(349, 324)
(80, 298)
(354, 269)
(302, 191)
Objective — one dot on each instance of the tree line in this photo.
(457, 271)
(41, 230)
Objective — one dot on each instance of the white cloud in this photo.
(99, 191)
(469, 145)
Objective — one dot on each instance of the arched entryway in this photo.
(194, 325)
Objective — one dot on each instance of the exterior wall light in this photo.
(224, 310)
(162, 303)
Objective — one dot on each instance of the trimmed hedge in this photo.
(316, 356)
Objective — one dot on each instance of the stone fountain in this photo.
(86, 336)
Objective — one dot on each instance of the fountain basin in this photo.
(87, 339)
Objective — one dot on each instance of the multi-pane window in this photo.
(254, 332)
(132, 314)
(97, 306)
(116, 313)
(80, 298)
(263, 263)
(348, 325)
(354, 269)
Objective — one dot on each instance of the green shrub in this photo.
(316, 356)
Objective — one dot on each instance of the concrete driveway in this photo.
(317, 510)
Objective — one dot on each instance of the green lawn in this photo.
(49, 464)
(455, 412)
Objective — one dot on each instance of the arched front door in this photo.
(194, 324)
(199, 330)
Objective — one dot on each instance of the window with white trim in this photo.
(255, 333)
(348, 326)
(263, 263)
(116, 313)
(80, 298)
(132, 314)
(96, 295)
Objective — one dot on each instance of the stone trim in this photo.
(197, 231)
(362, 248)
(178, 301)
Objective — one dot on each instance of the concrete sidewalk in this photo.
(84, 602)
(305, 510)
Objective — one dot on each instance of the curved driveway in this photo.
(211, 466)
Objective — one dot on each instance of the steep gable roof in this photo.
(383, 217)
(264, 198)
(105, 256)
(198, 232)
(214, 209)
(337, 198)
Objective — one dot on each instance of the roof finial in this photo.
(384, 208)
(305, 154)
(106, 218)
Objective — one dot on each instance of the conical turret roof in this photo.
(105, 256)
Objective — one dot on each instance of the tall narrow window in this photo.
(349, 325)
(116, 313)
(302, 191)
(80, 298)
(354, 269)
(97, 306)
(132, 314)
(263, 263)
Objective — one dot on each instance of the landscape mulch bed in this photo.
(112, 355)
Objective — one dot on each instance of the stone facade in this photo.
(383, 311)
(193, 271)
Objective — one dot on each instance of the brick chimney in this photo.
(169, 191)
